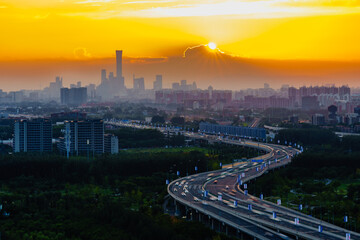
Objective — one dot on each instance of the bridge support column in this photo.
(176, 208)
(226, 230)
(212, 224)
(241, 235)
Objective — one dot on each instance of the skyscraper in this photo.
(103, 76)
(33, 135)
(119, 64)
(73, 96)
(158, 83)
(83, 137)
(139, 84)
(119, 75)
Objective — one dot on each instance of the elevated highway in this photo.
(220, 199)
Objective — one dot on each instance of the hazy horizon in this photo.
(200, 64)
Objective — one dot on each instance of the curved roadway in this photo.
(259, 222)
(228, 183)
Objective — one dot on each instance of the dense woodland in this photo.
(110, 197)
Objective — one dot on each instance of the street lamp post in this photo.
(87, 144)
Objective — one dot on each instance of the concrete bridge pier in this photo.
(239, 234)
(211, 223)
(176, 208)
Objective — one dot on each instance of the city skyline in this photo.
(200, 63)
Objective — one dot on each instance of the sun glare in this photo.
(212, 46)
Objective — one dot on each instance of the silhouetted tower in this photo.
(119, 64)
(120, 83)
(103, 76)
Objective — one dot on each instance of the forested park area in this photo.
(111, 197)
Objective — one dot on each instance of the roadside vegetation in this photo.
(325, 179)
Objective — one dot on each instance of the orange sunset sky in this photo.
(276, 41)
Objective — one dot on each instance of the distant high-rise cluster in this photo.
(325, 95)
(194, 98)
(112, 86)
(184, 86)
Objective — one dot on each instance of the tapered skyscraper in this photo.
(119, 75)
(119, 64)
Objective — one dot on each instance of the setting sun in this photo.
(212, 46)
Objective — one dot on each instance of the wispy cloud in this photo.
(328, 3)
(81, 53)
(246, 9)
(41, 16)
(150, 1)
(93, 1)
(232, 8)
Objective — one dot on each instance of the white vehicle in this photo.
(231, 205)
(183, 194)
(225, 201)
(177, 183)
(175, 190)
(227, 187)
